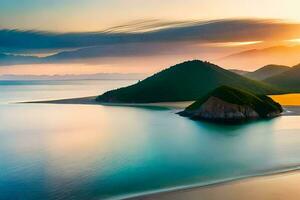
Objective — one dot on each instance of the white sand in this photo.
(284, 186)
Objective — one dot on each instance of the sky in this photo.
(95, 15)
(144, 35)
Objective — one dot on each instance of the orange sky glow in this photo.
(264, 46)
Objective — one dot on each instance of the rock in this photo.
(226, 104)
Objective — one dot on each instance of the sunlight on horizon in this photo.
(287, 99)
(234, 44)
(296, 40)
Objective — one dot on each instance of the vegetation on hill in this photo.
(289, 80)
(238, 71)
(183, 82)
(267, 71)
(261, 104)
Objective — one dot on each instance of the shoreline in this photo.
(91, 101)
(289, 110)
(229, 186)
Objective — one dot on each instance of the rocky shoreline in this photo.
(217, 109)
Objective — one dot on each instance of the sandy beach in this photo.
(91, 101)
(81, 100)
(283, 186)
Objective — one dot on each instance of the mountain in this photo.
(227, 104)
(267, 71)
(183, 82)
(285, 55)
(97, 76)
(289, 80)
(238, 71)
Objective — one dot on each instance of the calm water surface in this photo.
(102, 152)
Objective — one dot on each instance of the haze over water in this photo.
(97, 152)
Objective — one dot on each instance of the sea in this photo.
(65, 151)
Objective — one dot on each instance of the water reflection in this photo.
(87, 152)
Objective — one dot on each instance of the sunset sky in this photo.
(95, 15)
(144, 35)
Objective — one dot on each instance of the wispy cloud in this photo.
(143, 38)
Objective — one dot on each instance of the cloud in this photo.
(7, 59)
(141, 38)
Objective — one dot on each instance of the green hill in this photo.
(228, 102)
(238, 71)
(289, 80)
(183, 82)
(267, 71)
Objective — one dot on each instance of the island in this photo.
(228, 104)
(185, 81)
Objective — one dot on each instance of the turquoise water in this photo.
(19, 91)
(101, 152)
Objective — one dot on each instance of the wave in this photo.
(271, 172)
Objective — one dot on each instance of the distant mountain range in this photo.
(182, 82)
(267, 72)
(289, 80)
(285, 55)
(279, 76)
(98, 76)
(238, 71)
